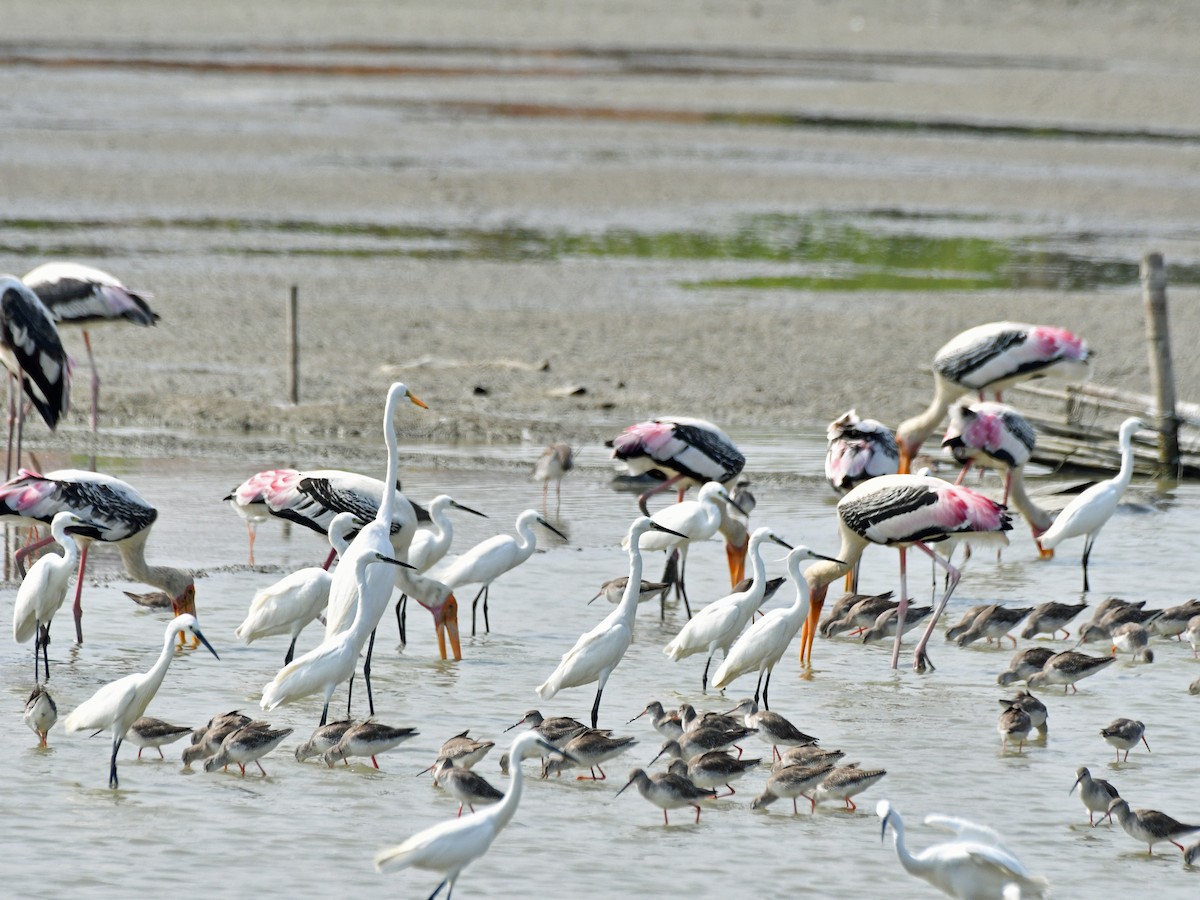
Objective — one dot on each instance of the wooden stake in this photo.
(1158, 340)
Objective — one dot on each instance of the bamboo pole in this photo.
(1158, 339)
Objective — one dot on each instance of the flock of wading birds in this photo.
(385, 541)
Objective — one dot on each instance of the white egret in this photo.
(487, 561)
(992, 357)
(697, 520)
(765, 642)
(449, 847)
(326, 666)
(601, 650)
(718, 625)
(961, 868)
(119, 704)
(43, 590)
(290, 604)
(1091, 510)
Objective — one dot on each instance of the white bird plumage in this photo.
(1091, 510)
(290, 604)
(449, 847)
(601, 650)
(718, 625)
(44, 589)
(968, 867)
(765, 641)
(120, 703)
(488, 560)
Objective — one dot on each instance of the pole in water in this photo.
(1158, 341)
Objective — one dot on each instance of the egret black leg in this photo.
(401, 611)
(758, 687)
(767, 687)
(291, 652)
(438, 889)
(367, 673)
(1087, 551)
(325, 714)
(596, 705)
(704, 678)
(475, 603)
(112, 766)
(487, 626)
(683, 583)
(349, 695)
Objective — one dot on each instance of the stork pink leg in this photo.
(903, 608)
(655, 490)
(77, 609)
(329, 560)
(920, 660)
(22, 552)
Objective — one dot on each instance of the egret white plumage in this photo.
(904, 511)
(290, 604)
(556, 461)
(966, 868)
(697, 520)
(43, 590)
(765, 641)
(599, 651)
(487, 561)
(429, 545)
(119, 704)
(326, 666)
(992, 357)
(113, 512)
(82, 296)
(32, 351)
(1089, 512)
(718, 625)
(689, 452)
(449, 847)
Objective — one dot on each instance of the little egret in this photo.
(992, 357)
(961, 868)
(1091, 510)
(44, 589)
(118, 705)
(449, 847)
(765, 642)
(718, 625)
(487, 561)
(325, 667)
(601, 650)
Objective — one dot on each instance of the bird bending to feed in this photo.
(667, 790)
(1051, 618)
(323, 738)
(556, 461)
(246, 745)
(886, 623)
(1133, 637)
(994, 622)
(992, 357)
(720, 623)
(689, 452)
(1089, 512)
(599, 651)
(845, 782)
(793, 782)
(1033, 707)
(333, 661)
(81, 296)
(713, 769)
(449, 847)
(1068, 667)
(966, 868)
(464, 751)
(1024, 663)
(43, 590)
(207, 741)
(1124, 734)
(1096, 793)
(772, 728)
(765, 641)
(487, 561)
(688, 522)
(41, 712)
(33, 354)
(589, 748)
(904, 511)
(119, 704)
(613, 589)
(666, 723)
(368, 738)
(465, 786)
(290, 604)
(1014, 724)
(113, 513)
(1149, 826)
(151, 732)
(556, 730)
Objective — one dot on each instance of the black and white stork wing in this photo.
(709, 456)
(30, 342)
(81, 295)
(328, 500)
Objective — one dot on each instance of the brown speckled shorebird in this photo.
(465, 786)
(323, 739)
(41, 713)
(589, 748)
(556, 730)
(1096, 793)
(247, 744)
(845, 782)
(773, 728)
(668, 724)
(1149, 826)
(368, 738)
(793, 782)
(1034, 708)
(1051, 618)
(1024, 663)
(994, 623)
(1068, 667)
(958, 628)
(713, 769)
(667, 791)
(1124, 735)
(1014, 724)
(150, 732)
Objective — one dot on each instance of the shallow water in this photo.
(306, 829)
